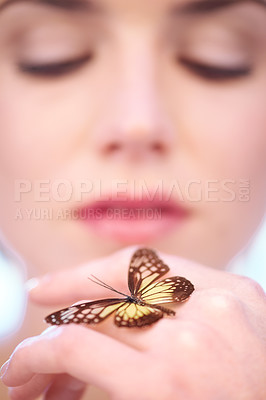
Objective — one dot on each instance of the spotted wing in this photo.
(169, 290)
(145, 267)
(132, 315)
(91, 312)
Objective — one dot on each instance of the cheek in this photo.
(42, 128)
(221, 135)
(241, 135)
(227, 133)
(33, 142)
(37, 140)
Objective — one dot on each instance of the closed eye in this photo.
(214, 73)
(54, 70)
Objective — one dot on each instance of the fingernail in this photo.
(4, 369)
(49, 330)
(32, 284)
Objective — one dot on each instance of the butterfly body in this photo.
(135, 300)
(142, 307)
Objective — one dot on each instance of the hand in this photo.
(213, 349)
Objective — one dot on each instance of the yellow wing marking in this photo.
(132, 315)
(109, 309)
(158, 293)
(146, 280)
(170, 290)
(157, 288)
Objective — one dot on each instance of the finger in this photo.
(61, 350)
(64, 387)
(56, 388)
(71, 285)
(32, 389)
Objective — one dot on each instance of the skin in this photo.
(224, 321)
(163, 122)
(225, 139)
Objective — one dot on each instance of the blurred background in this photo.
(12, 292)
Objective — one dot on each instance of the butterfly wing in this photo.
(169, 290)
(145, 267)
(91, 312)
(132, 315)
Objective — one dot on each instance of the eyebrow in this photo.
(68, 5)
(208, 6)
(191, 8)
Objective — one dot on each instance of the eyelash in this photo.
(207, 72)
(55, 70)
(213, 73)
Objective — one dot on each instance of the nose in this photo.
(136, 126)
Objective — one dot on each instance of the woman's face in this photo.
(128, 122)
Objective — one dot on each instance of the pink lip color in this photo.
(132, 221)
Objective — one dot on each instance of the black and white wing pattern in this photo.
(91, 312)
(145, 304)
(145, 267)
(169, 290)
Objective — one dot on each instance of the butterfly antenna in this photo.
(99, 282)
(103, 284)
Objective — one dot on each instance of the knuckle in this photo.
(220, 301)
(188, 336)
(192, 336)
(250, 287)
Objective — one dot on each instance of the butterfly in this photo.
(142, 307)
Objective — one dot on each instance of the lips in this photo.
(132, 221)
